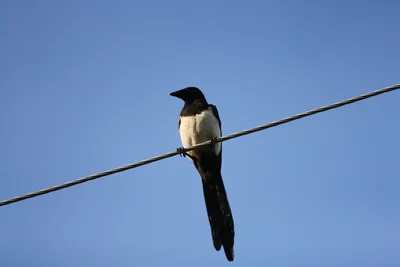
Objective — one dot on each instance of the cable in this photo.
(174, 153)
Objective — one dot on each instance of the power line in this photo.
(174, 153)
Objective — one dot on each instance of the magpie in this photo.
(200, 122)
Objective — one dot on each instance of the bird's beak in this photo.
(177, 94)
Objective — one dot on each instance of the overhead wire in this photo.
(183, 150)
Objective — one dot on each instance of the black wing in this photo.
(215, 112)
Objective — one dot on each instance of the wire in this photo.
(174, 153)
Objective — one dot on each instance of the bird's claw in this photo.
(214, 140)
(181, 151)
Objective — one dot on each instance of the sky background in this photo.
(84, 87)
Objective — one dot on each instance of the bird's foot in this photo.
(213, 142)
(183, 153)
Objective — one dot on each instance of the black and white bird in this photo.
(200, 122)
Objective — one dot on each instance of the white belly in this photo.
(200, 128)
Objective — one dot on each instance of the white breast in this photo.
(200, 128)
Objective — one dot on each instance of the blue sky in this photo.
(84, 87)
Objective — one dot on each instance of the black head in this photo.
(189, 95)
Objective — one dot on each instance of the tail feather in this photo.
(219, 214)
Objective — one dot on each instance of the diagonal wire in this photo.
(174, 153)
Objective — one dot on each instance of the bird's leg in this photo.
(213, 141)
(183, 153)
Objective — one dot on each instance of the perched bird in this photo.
(200, 122)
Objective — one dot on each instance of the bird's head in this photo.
(189, 95)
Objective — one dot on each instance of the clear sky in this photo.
(84, 87)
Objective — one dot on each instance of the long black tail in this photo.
(219, 214)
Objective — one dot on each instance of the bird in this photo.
(199, 121)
